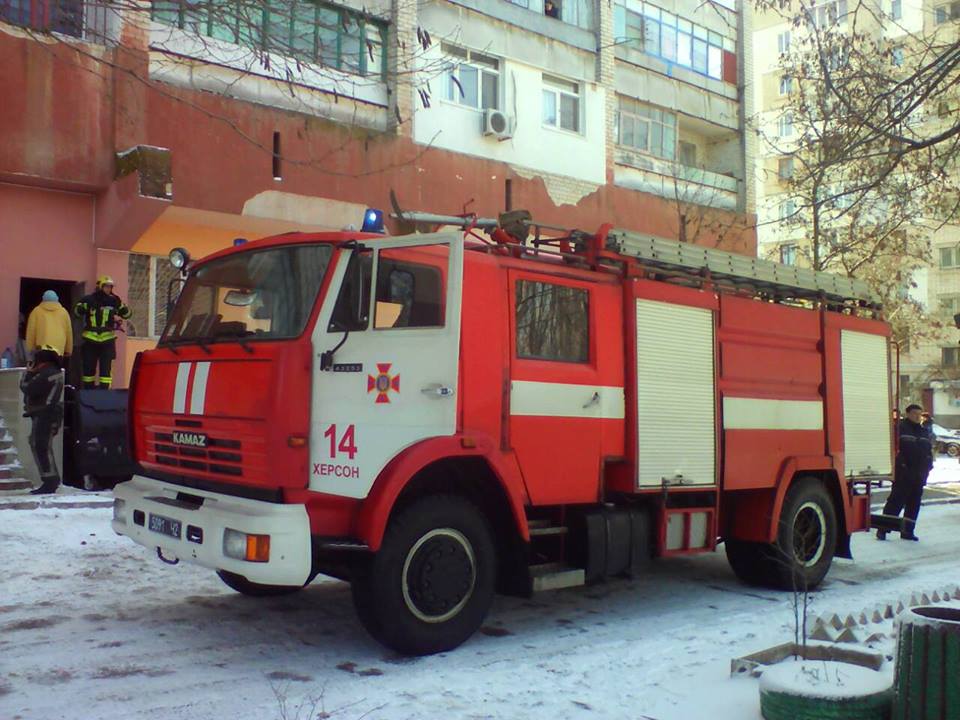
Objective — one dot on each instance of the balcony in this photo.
(569, 21)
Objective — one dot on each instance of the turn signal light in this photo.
(297, 441)
(241, 546)
(258, 548)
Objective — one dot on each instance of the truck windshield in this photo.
(261, 294)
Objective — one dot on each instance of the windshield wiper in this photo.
(173, 344)
(240, 336)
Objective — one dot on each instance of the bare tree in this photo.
(869, 155)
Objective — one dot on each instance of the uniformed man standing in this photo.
(42, 387)
(102, 313)
(914, 461)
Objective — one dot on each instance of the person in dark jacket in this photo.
(102, 313)
(42, 387)
(914, 461)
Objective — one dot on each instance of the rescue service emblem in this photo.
(383, 382)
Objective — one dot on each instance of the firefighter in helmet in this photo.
(103, 314)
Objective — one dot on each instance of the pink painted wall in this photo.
(45, 234)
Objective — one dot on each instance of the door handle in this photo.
(437, 390)
(593, 401)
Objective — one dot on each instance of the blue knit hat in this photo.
(50, 296)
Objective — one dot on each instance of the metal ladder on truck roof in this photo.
(742, 272)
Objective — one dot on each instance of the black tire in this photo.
(806, 541)
(245, 587)
(953, 450)
(431, 584)
(747, 560)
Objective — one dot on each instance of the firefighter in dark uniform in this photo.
(42, 387)
(914, 461)
(102, 313)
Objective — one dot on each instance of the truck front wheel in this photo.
(430, 585)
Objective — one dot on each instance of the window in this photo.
(326, 34)
(150, 286)
(785, 168)
(949, 257)
(788, 254)
(561, 103)
(949, 304)
(256, 295)
(552, 322)
(409, 295)
(896, 57)
(896, 9)
(829, 13)
(783, 42)
(473, 79)
(950, 356)
(787, 209)
(947, 12)
(786, 85)
(667, 36)
(646, 128)
(785, 125)
(60, 16)
(688, 154)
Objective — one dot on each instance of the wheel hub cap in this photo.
(809, 534)
(439, 575)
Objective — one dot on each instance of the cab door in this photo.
(566, 392)
(386, 357)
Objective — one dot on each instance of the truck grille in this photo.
(220, 456)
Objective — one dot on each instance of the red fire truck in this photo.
(439, 416)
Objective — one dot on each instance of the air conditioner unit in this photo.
(498, 124)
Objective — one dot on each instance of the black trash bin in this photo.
(95, 437)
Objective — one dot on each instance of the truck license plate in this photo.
(165, 525)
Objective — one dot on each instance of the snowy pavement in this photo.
(93, 627)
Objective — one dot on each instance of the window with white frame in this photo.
(472, 78)
(896, 9)
(788, 254)
(783, 42)
(785, 125)
(671, 38)
(829, 13)
(950, 356)
(949, 304)
(786, 210)
(896, 57)
(561, 103)
(785, 168)
(149, 279)
(943, 13)
(786, 84)
(950, 257)
(646, 128)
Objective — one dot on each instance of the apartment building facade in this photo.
(136, 127)
(929, 369)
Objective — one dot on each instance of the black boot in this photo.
(48, 485)
(909, 536)
(881, 534)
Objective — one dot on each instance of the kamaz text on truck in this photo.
(436, 417)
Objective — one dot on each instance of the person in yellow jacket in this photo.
(102, 313)
(49, 324)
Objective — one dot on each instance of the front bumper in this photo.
(287, 525)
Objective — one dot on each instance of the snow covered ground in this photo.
(92, 627)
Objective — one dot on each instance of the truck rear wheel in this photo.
(806, 540)
(245, 587)
(430, 586)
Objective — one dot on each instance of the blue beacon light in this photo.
(373, 221)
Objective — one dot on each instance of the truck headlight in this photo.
(242, 546)
(120, 511)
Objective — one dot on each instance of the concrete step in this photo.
(553, 576)
(15, 486)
